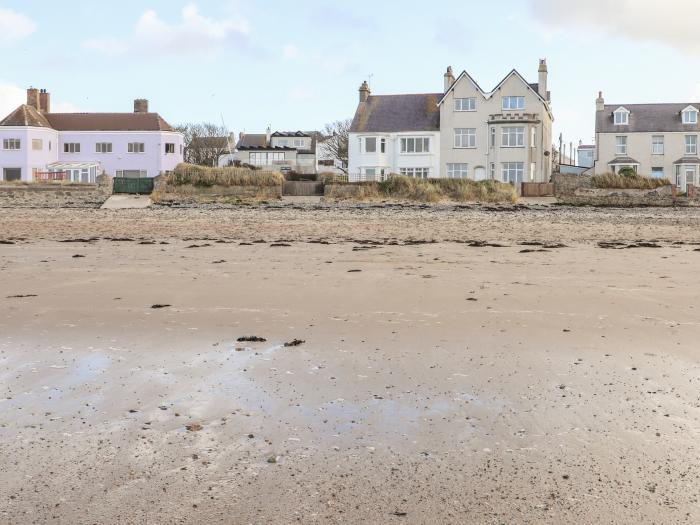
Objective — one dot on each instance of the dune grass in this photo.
(627, 181)
(201, 176)
(429, 190)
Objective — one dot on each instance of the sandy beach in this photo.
(528, 364)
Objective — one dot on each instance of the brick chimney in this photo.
(140, 105)
(449, 78)
(600, 102)
(542, 79)
(364, 92)
(33, 98)
(45, 101)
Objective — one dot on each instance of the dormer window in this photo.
(622, 117)
(690, 115)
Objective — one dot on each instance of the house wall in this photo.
(392, 160)
(484, 154)
(154, 160)
(26, 158)
(639, 148)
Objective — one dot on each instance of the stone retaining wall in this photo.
(566, 184)
(55, 195)
(165, 194)
(664, 196)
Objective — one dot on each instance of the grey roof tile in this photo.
(394, 113)
(646, 118)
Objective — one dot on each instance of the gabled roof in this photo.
(645, 118)
(396, 113)
(622, 109)
(514, 72)
(26, 115)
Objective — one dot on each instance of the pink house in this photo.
(37, 144)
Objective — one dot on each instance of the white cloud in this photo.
(12, 96)
(194, 34)
(670, 22)
(14, 25)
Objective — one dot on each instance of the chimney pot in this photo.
(449, 78)
(542, 80)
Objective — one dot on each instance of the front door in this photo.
(480, 173)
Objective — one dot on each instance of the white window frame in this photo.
(416, 173)
(71, 147)
(368, 141)
(382, 145)
(621, 145)
(533, 137)
(465, 138)
(169, 146)
(459, 170)
(691, 144)
(465, 104)
(513, 137)
(513, 103)
(690, 116)
(11, 144)
(657, 145)
(37, 145)
(410, 145)
(136, 147)
(103, 147)
(621, 117)
(516, 169)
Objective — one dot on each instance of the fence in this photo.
(537, 189)
(50, 176)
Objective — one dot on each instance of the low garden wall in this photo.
(664, 196)
(55, 195)
(189, 194)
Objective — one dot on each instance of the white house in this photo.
(279, 151)
(463, 132)
(37, 144)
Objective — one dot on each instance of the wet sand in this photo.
(448, 382)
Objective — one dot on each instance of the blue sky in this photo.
(297, 65)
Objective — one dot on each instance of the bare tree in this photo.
(334, 144)
(205, 143)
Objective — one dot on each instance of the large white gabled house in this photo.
(463, 132)
(657, 140)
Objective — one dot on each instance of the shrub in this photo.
(627, 179)
(201, 176)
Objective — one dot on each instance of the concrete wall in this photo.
(664, 196)
(55, 195)
(565, 184)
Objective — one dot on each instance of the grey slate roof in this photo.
(646, 118)
(252, 140)
(688, 160)
(623, 160)
(393, 113)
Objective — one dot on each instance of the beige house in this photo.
(504, 134)
(658, 140)
(462, 132)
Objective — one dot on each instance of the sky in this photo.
(298, 64)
